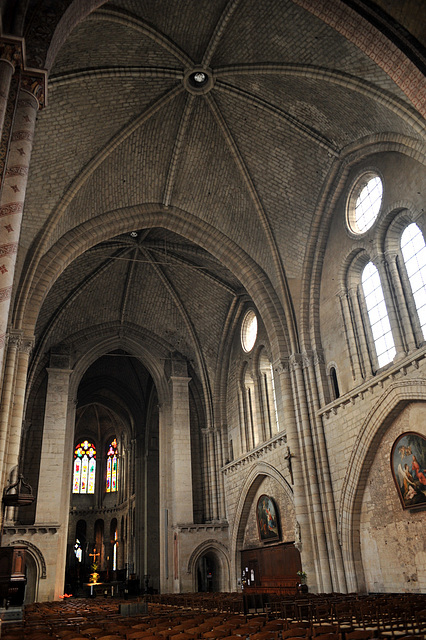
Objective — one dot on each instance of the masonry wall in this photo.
(393, 544)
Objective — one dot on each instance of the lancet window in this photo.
(84, 467)
(112, 467)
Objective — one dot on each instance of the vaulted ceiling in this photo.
(219, 176)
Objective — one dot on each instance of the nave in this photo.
(225, 616)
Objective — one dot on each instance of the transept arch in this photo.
(252, 483)
(375, 425)
(42, 275)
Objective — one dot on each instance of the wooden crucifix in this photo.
(94, 555)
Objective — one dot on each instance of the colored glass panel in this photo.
(84, 468)
(112, 467)
(77, 470)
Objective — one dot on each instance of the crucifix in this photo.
(94, 555)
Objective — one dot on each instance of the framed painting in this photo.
(408, 462)
(267, 519)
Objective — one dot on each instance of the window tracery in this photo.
(112, 467)
(378, 315)
(413, 250)
(84, 468)
(383, 301)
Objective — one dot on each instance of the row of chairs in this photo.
(325, 617)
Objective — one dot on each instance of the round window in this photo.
(249, 331)
(364, 203)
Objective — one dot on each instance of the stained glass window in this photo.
(84, 468)
(112, 467)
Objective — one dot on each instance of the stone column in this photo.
(11, 460)
(329, 510)
(205, 472)
(53, 493)
(212, 475)
(14, 341)
(354, 356)
(383, 269)
(310, 482)
(405, 309)
(181, 467)
(13, 193)
(221, 485)
(11, 56)
(358, 327)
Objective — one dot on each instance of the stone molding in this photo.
(30, 529)
(206, 527)
(279, 440)
(399, 369)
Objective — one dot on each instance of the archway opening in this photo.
(116, 435)
(208, 573)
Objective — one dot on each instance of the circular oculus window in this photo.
(249, 331)
(364, 203)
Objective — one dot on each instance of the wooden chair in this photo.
(328, 636)
(360, 634)
(216, 633)
(274, 625)
(265, 635)
(296, 632)
(92, 632)
(324, 629)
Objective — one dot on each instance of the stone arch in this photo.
(220, 552)
(391, 403)
(253, 481)
(44, 271)
(95, 341)
(338, 183)
(35, 553)
(35, 569)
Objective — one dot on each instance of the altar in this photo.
(101, 588)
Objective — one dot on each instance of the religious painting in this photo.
(267, 519)
(408, 462)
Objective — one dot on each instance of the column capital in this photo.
(299, 361)
(34, 82)
(14, 338)
(180, 379)
(282, 365)
(27, 344)
(12, 51)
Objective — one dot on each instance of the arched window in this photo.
(78, 550)
(378, 315)
(414, 253)
(334, 383)
(84, 468)
(112, 467)
(114, 542)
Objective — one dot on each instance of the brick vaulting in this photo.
(172, 172)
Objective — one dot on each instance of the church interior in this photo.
(213, 296)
